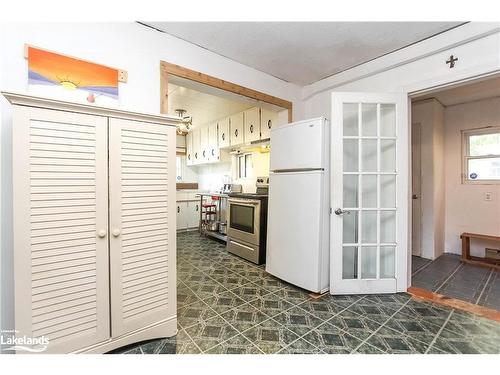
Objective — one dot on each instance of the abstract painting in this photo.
(53, 74)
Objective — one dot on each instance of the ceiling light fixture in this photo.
(187, 121)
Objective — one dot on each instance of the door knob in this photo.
(101, 233)
(340, 211)
(116, 232)
(414, 196)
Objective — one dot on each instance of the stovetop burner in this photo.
(262, 187)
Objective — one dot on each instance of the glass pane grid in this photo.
(372, 150)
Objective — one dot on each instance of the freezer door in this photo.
(299, 145)
(295, 230)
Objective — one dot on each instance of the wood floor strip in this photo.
(426, 295)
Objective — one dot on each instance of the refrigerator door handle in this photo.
(297, 170)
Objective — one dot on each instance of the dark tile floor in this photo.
(448, 276)
(228, 305)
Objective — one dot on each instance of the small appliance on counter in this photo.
(231, 188)
(247, 223)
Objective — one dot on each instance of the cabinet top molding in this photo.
(61, 105)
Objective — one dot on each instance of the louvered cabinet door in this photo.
(142, 224)
(60, 227)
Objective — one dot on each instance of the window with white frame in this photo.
(481, 155)
(244, 165)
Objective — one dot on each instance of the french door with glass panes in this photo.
(369, 193)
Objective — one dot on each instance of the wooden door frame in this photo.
(167, 68)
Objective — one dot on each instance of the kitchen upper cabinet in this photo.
(237, 129)
(196, 147)
(224, 137)
(204, 147)
(269, 120)
(252, 124)
(189, 148)
(213, 143)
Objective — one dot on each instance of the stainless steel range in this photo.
(247, 223)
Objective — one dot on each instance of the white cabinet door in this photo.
(182, 213)
(189, 148)
(60, 199)
(204, 144)
(236, 127)
(269, 120)
(193, 214)
(196, 147)
(252, 124)
(142, 216)
(224, 133)
(213, 144)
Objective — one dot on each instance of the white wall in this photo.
(211, 177)
(128, 46)
(466, 208)
(430, 115)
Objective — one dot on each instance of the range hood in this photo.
(261, 145)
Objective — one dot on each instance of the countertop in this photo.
(213, 194)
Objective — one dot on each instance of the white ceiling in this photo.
(203, 107)
(302, 52)
(488, 88)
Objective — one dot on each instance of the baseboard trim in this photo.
(427, 295)
(162, 329)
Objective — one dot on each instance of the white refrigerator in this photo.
(298, 227)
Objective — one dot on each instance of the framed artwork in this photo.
(53, 74)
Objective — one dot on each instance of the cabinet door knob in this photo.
(197, 207)
(213, 152)
(203, 153)
(189, 156)
(236, 132)
(116, 232)
(101, 233)
(223, 136)
(178, 209)
(269, 124)
(196, 155)
(251, 128)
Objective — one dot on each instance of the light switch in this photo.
(487, 196)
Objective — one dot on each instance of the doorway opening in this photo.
(455, 159)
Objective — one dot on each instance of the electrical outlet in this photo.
(487, 196)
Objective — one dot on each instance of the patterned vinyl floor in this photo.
(227, 305)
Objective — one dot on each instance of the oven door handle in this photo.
(242, 245)
(244, 201)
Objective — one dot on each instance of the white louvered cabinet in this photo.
(94, 240)
(141, 233)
